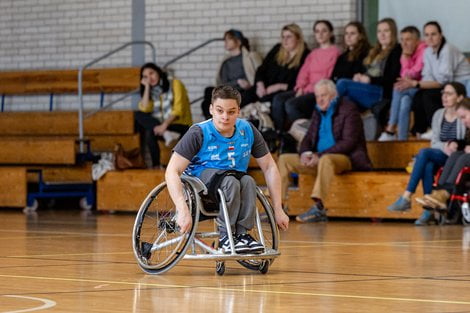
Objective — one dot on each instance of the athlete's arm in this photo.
(273, 179)
(175, 168)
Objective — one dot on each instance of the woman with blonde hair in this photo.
(382, 68)
(300, 102)
(281, 65)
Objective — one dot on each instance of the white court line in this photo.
(47, 304)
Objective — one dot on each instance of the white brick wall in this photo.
(56, 34)
(61, 34)
(176, 26)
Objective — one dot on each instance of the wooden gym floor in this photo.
(70, 261)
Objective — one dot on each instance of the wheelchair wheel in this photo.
(157, 243)
(465, 214)
(220, 268)
(269, 231)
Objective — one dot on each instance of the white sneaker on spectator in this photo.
(427, 135)
(387, 137)
(170, 136)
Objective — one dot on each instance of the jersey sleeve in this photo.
(190, 144)
(259, 148)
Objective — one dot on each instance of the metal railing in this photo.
(80, 82)
(165, 66)
(205, 43)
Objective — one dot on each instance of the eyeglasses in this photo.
(447, 93)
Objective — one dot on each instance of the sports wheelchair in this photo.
(158, 245)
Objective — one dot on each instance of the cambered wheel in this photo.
(268, 229)
(158, 245)
(465, 214)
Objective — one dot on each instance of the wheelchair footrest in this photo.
(268, 254)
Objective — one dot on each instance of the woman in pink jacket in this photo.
(300, 103)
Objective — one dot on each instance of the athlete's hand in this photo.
(282, 220)
(184, 220)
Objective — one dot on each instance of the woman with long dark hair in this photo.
(443, 62)
(237, 69)
(382, 68)
(164, 111)
(447, 130)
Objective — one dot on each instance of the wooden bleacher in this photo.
(365, 194)
(47, 141)
(107, 80)
(355, 194)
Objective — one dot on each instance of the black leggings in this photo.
(144, 125)
(425, 103)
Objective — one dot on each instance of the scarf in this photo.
(163, 103)
(326, 139)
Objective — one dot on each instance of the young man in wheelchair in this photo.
(218, 151)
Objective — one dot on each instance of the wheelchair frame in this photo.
(191, 245)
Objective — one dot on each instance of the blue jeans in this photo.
(364, 95)
(400, 111)
(426, 164)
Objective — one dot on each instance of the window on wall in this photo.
(451, 14)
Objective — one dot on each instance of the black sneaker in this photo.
(255, 246)
(240, 247)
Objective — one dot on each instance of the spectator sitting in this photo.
(382, 68)
(357, 46)
(281, 66)
(300, 103)
(403, 90)
(237, 69)
(454, 164)
(164, 109)
(447, 128)
(443, 63)
(334, 143)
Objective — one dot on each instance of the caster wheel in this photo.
(84, 204)
(32, 208)
(220, 268)
(264, 267)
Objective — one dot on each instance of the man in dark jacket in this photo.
(334, 143)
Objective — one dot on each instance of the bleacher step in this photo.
(30, 150)
(357, 194)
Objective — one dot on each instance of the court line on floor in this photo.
(244, 290)
(47, 304)
(66, 254)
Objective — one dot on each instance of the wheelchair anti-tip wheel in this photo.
(157, 243)
(269, 231)
(220, 267)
